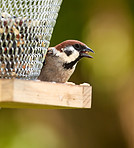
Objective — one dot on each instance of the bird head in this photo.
(74, 48)
(71, 51)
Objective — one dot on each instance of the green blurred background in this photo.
(108, 28)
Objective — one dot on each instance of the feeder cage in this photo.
(26, 27)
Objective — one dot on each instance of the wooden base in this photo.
(15, 93)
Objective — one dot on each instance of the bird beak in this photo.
(85, 52)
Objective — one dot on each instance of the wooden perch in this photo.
(15, 93)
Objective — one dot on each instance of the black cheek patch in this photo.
(68, 52)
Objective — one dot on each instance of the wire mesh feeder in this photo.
(25, 30)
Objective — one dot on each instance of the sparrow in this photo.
(62, 59)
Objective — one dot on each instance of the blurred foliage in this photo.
(107, 27)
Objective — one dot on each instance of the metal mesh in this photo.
(25, 30)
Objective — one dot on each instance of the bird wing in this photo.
(50, 51)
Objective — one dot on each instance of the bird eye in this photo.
(77, 46)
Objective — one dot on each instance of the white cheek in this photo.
(72, 57)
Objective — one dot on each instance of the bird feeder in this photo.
(26, 27)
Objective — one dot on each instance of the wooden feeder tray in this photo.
(15, 93)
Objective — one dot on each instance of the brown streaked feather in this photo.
(50, 50)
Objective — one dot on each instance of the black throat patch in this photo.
(71, 64)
